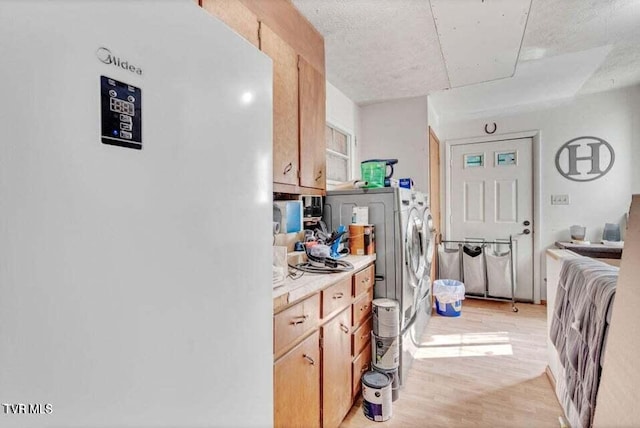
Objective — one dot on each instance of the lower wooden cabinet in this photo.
(361, 364)
(321, 349)
(362, 323)
(297, 385)
(336, 369)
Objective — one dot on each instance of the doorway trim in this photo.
(538, 222)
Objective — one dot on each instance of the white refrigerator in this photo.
(135, 217)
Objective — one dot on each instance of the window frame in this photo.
(350, 152)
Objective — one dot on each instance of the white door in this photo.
(492, 199)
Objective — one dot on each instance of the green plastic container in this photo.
(374, 173)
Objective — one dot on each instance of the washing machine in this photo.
(423, 300)
(399, 266)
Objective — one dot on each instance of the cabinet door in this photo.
(297, 386)
(336, 370)
(312, 126)
(285, 106)
(235, 15)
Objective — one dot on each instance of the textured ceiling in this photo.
(378, 49)
(567, 26)
(388, 49)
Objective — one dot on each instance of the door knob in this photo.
(526, 223)
(525, 232)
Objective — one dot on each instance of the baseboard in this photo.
(552, 379)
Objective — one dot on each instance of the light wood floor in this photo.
(484, 369)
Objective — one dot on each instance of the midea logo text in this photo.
(27, 409)
(107, 57)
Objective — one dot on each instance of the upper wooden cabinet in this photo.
(285, 106)
(237, 16)
(297, 51)
(312, 95)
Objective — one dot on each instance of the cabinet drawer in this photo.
(292, 323)
(361, 336)
(360, 365)
(363, 280)
(336, 297)
(361, 308)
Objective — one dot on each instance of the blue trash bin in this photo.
(449, 295)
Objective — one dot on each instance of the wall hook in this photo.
(495, 128)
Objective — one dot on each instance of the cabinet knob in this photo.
(344, 328)
(287, 168)
(364, 308)
(319, 175)
(339, 295)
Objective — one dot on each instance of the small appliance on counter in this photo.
(577, 234)
(374, 172)
(290, 215)
(311, 206)
(611, 234)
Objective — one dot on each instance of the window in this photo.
(338, 146)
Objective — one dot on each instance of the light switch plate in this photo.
(559, 199)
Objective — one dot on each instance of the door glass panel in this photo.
(475, 160)
(506, 158)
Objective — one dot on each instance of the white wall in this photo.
(613, 116)
(433, 118)
(398, 129)
(344, 114)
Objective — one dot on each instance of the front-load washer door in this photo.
(414, 264)
(428, 237)
(415, 245)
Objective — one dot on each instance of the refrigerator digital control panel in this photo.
(121, 109)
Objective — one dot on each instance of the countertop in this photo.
(593, 250)
(559, 254)
(295, 290)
